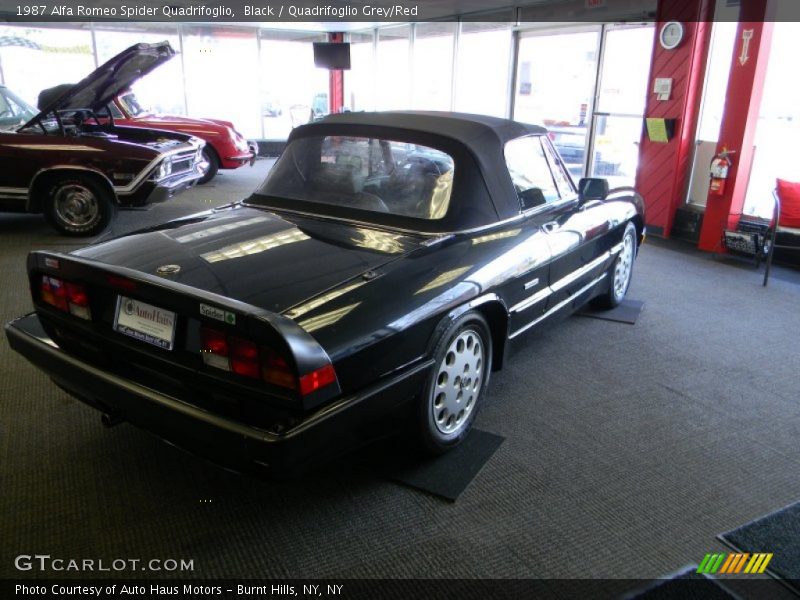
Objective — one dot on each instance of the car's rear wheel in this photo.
(210, 158)
(620, 272)
(452, 395)
(79, 206)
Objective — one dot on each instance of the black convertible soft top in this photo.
(482, 190)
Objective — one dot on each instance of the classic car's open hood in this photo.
(256, 256)
(110, 79)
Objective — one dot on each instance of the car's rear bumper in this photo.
(321, 435)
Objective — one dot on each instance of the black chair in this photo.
(790, 236)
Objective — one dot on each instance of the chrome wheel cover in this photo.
(458, 383)
(623, 268)
(76, 206)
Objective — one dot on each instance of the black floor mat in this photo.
(777, 533)
(627, 312)
(446, 476)
(684, 585)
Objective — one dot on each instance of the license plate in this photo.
(145, 322)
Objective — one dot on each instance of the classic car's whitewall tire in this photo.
(78, 205)
(452, 395)
(620, 272)
(210, 157)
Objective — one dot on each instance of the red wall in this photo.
(664, 169)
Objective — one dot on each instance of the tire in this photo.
(213, 165)
(77, 205)
(621, 272)
(450, 400)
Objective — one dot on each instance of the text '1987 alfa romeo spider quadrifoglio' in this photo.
(373, 278)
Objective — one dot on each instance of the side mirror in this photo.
(592, 188)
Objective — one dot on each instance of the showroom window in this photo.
(359, 82)
(231, 94)
(432, 71)
(157, 92)
(393, 78)
(778, 127)
(293, 91)
(483, 68)
(556, 73)
(23, 47)
(718, 67)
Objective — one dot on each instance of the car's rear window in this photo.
(371, 174)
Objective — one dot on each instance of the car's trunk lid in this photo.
(256, 256)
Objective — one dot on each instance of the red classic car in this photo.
(225, 147)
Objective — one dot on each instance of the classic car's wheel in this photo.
(620, 272)
(449, 403)
(77, 205)
(210, 158)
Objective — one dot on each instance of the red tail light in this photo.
(247, 359)
(54, 293)
(78, 301)
(244, 358)
(275, 370)
(315, 380)
(65, 296)
(214, 348)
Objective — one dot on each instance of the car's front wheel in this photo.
(79, 206)
(453, 393)
(621, 271)
(210, 159)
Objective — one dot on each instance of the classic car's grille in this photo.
(182, 163)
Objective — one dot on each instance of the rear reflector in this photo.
(315, 380)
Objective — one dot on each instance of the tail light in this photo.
(215, 348)
(65, 296)
(244, 358)
(78, 301)
(247, 359)
(315, 380)
(275, 370)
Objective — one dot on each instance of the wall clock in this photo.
(671, 35)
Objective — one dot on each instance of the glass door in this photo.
(620, 103)
(556, 75)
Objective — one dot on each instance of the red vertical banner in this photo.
(336, 80)
(739, 121)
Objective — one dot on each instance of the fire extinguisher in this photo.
(720, 167)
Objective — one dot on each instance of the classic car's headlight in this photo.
(239, 141)
(164, 169)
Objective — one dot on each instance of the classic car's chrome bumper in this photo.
(323, 434)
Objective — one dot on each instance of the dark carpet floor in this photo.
(627, 450)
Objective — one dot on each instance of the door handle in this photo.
(550, 226)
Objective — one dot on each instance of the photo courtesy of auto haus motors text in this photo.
(185, 590)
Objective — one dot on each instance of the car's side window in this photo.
(5, 108)
(563, 181)
(530, 172)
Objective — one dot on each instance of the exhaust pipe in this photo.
(110, 419)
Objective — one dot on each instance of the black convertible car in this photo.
(375, 276)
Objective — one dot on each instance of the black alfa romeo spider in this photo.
(375, 275)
